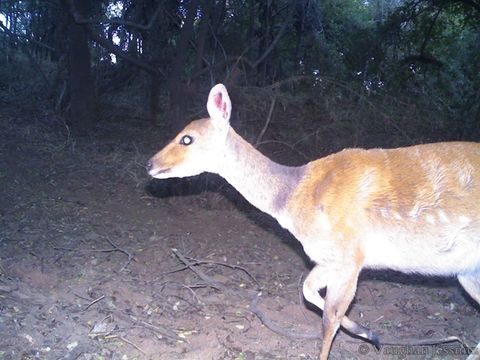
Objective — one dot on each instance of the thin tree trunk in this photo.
(175, 84)
(202, 35)
(82, 97)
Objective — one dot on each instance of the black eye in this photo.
(186, 140)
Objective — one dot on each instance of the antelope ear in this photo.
(219, 105)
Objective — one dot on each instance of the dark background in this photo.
(339, 74)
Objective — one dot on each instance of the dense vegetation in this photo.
(357, 72)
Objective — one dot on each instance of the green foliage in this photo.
(434, 48)
(417, 48)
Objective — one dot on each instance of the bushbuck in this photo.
(413, 209)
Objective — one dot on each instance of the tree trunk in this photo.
(202, 35)
(82, 94)
(175, 84)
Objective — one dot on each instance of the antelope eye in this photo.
(186, 140)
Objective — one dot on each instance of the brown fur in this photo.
(413, 209)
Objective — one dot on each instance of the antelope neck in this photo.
(264, 183)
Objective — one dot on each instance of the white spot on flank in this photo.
(397, 216)
(324, 223)
(465, 176)
(414, 212)
(384, 212)
(463, 219)
(367, 181)
(430, 219)
(442, 216)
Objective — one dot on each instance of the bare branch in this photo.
(29, 39)
(110, 47)
(277, 38)
(267, 122)
(118, 21)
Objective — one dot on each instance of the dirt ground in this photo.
(100, 262)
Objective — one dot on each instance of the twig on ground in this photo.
(87, 299)
(314, 335)
(199, 273)
(276, 328)
(161, 330)
(137, 322)
(94, 302)
(132, 344)
(188, 287)
(194, 261)
(115, 248)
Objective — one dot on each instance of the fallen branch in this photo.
(94, 302)
(115, 248)
(317, 335)
(234, 267)
(132, 344)
(160, 330)
(276, 328)
(199, 273)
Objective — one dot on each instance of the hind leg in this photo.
(340, 293)
(471, 284)
(340, 279)
(317, 280)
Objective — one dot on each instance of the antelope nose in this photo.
(149, 165)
